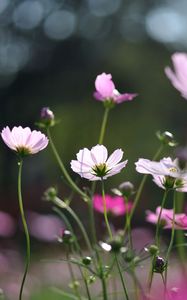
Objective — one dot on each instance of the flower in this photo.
(94, 164)
(166, 173)
(23, 140)
(106, 91)
(115, 205)
(180, 220)
(178, 77)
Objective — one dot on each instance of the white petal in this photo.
(117, 168)
(84, 156)
(99, 154)
(114, 158)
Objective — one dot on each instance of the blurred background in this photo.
(50, 54)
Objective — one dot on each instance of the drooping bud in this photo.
(153, 249)
(166, 138)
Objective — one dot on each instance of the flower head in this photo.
(114, 205)
(106, 91)
(178, 77)
(23, 140)
(95, 164)
(180, 220)
(166, 173)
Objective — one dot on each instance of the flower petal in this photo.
(99, 154)
(104, 85)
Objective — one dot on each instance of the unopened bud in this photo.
(159, 265)
(126, 188)
(67, 237)
(166, 138)
(87, 260)
(50, 194)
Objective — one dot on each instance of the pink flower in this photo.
(95, 164)
(166, 173)
(115, 205)
(7, 225)
(106, 91)
(23, 140)
(167, 218)
(178, 77)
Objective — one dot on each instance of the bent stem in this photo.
(20, 164)
(57, 201)
(63, 169)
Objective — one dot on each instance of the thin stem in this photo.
(63, 169)
(172, 237)
(75, 287)
(121, 276)
(128, 224)
(151, 273)
(57, 201)
(105, 297)
(105, 210)
(20, 164)
(103, 126)
(180, 238)
(159, 218)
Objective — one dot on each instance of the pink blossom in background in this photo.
(105, 90)
(167, 218)
(23, 140)
(178, 77)
(95, 164)
(7, 225)
(163, 171)
(44, 227)
(114, 204)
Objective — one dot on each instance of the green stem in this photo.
(159, 218)
(57, 201)
(180, 238)
(128, 224)
(172, 237)
(105, 297)
(103, 126)
(151, 273)
(20, 164)
(105, 210)
(63, 169)
(75, 287)
(121, 277)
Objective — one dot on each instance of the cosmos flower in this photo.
(114, 205)
(106, 91)
(23, 140)
(167, 218)
(178, 77)
(95, 164)
(166, 173)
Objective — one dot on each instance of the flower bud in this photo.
(47, 118)
(166, 138)
(87, 260)
(67, 237)
(159, 265)
(50, 194)
(126, 188)
(153, 249)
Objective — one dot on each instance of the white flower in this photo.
(166, 173)
(94, 164)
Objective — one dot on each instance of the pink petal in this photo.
(114, 158)
(104, 85)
